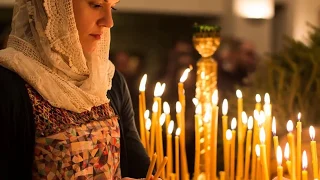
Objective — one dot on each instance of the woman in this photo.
(55, 74)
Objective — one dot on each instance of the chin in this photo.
(89, 50)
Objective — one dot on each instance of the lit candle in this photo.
(314, 154)
(279, 160)
(222, 175)
(304, 166)
(240, 159)
(206, 120)
(263, 154)
(169, 148)
(267, 109)
(142, 108)
(255, 141)
(275, 137)
(177, 159)
(197, 142)
(214, 134)
(166, 110)
(154, 119)
(248, 147)
(287, 157)
(184, 164)
(224, 129)
(258, 172)
(233, 147)
(227, 162)
(162, 121)
(240, 135)
(290, 137)
(148, 126)
(258, 102)
(299, 131)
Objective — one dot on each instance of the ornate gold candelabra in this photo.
(206, 40)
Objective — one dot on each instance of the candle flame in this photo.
(155, 107)
(142, 86)
(228, 134)
(203, 75)
(148, 124)
(262, 118)
(267, 98)
(198, 109)
(244, 117)
(166, 107)
(304, 160)
(257, 150)
(290, 126)
(178, 107)
(279, 155)
(239, 94)
(250, 122)
(256, 115)
(287, 152)
(206, 117)
(202, 140)
(225, 107)
(233, 123)
(299, 116)
(178, 131)
(146, 114)
(157, 90)
(274, 126)
(201, 128)
(262, 135)
(162, 119)
(215, 97)
(185, 75)
(258, 98)
(170, 127)
(312, 133)
(163, 87)
(195, 101)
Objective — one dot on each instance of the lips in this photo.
(96, 36)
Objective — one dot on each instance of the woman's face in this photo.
(91, 17)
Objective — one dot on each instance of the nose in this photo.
(106, 18)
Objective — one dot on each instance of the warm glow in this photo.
(206, 117)
(157, 90)
(258, 150)
(256, 115)
(162, 119)
(233, 123)
(262, 118)
(225, 107)
(170, 127)
(147, 114)
(290, 126)
(215, 97)
(198, 109)
(143, 82)
(203, 75)
(267, 98)
(185, 75)
(258, 98)
(262, 135)
(287, 152)
(244, 117)
(304, 160)
(163, 87)
(312, 133)
(228, 134)
(155, 107)
(239, 94)
(279, 155)
(250, 122)
(299, 116)
(195, 101)
(178, 107)
(166, 107)
(148, 124)
(254, 9)
(178, 131)
(274, 126)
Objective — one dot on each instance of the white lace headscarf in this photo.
(45, 50)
